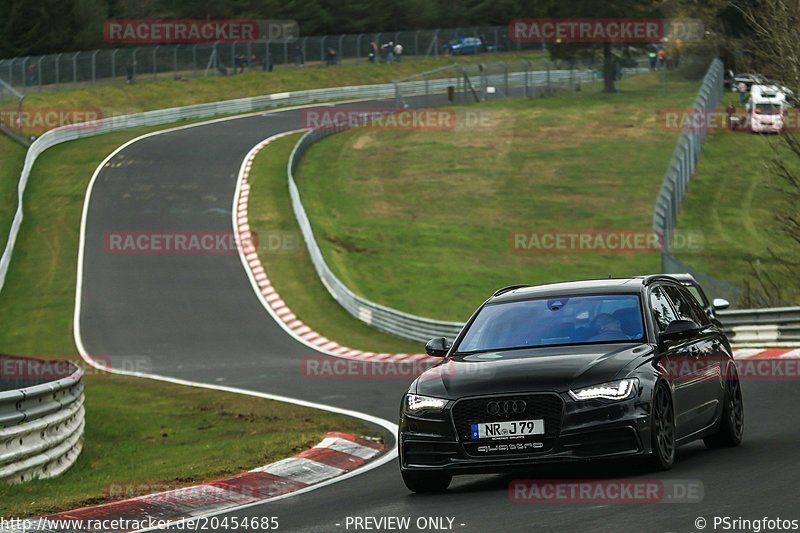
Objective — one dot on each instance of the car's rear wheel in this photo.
(731, 427)
(662, 429)
(426, 481)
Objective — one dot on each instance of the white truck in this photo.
(766, 109)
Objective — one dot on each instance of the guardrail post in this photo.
(114, 63)
(155, 62)
(358, 45)
(94, 67)
(75, 68)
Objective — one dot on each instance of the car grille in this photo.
(547, 406)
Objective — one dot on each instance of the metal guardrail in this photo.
(779, 326)
(41, 418)
(167, 116)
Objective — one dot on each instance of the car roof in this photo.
(632, 285)
(597, 286)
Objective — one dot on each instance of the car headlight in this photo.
(416, 404)
(614, 390)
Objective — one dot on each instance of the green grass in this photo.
(733, 199)
(119, 98)
(12, 157)
(142, 433)
(420, 220)
(293, 274)
(207, 434)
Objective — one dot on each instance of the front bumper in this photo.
(586, 430)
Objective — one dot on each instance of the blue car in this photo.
(464, 46)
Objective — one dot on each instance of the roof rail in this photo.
(498, 292)
(658, 277)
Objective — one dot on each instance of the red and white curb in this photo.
(336, 455)
(766, 353)
(269, 297)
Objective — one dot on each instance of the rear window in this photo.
(767, 109)
(554, 322)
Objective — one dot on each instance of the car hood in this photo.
(537, 369)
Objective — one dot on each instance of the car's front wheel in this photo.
(426, 481)
(662, 428)
(731, 427)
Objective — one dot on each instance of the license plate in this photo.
(516, 428)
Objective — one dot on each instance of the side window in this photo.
(662, 310)
(687, 306)
(683, 306)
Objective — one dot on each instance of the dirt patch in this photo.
(363, 141)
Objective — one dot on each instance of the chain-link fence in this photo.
(128, 64)
(10, 111)
(465, 83)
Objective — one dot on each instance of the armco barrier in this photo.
(41, 418)
(242, 105)
(778, 326)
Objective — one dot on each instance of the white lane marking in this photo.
(390, 455)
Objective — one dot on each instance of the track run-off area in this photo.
(197, 319)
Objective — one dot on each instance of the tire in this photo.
(426, 481)
(731, 426)
(662, 429)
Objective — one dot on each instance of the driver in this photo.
(608, 327)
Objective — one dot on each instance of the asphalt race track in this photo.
(196, 317)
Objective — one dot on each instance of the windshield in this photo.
(767, 109)
(554, 322)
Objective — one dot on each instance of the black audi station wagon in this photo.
(571, 371)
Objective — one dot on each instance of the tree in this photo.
(614, 55)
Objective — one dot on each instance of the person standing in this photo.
(662, 56)
(742, 86)
(398, 51)
(373, 52)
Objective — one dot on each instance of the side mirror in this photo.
(720, 303)
(437, 347)
(679, 329)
